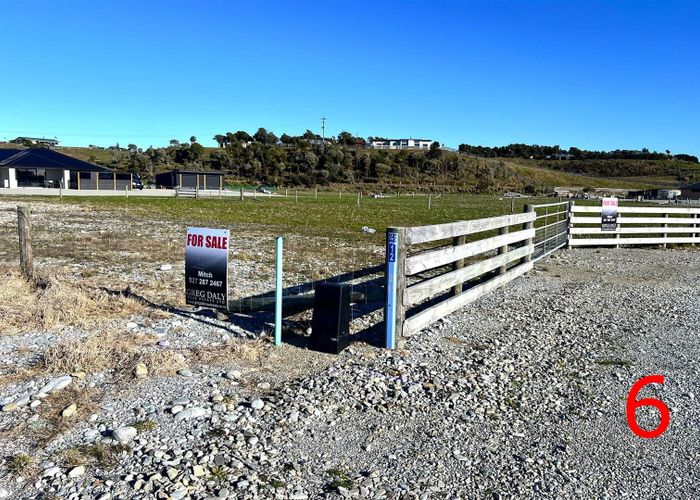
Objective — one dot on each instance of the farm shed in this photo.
(42, 167)
(691, 191)
(191, 179)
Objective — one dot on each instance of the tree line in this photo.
(538, 152)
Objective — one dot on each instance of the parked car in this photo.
(136, 182)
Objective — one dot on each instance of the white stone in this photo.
(77, 471)
(124, 434)
(189, 413)
(52, 471)
(55, 384)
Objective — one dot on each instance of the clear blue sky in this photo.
(597, 75)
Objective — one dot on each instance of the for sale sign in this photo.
(206, 267)
(609, 215)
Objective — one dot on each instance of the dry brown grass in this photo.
(49, 301)
(112, 352)
(87, 401)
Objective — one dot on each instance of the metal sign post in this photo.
(278, 289)
(392, 243)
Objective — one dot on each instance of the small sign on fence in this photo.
(609, 215)
(206, 267)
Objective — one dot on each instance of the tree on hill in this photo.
(174, 142)
(193, 139)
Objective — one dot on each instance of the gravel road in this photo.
(519, 395)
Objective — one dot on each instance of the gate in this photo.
(551, 227)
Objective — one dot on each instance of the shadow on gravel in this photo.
(254, 316)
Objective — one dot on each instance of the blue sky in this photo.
(597, 75)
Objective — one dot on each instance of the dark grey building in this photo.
(191, 179)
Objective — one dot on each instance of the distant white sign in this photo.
(609, 215)
(206, 267)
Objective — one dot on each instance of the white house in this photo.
(401, 144)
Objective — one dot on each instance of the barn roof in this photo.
(47, 158)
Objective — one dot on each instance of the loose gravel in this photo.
(519, 395)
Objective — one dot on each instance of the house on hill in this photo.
(423, 144)
(36, 141)
(42, 167)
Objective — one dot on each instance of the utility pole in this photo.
(323, 128)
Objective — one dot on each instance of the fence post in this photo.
(529, 225)
(240, 193)
(459, 264)
(278, 289)
(502, 250)
(26, 262)
(395, 274)
(570, 224)
(430, 200)
(665, 216)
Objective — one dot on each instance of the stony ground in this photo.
(521, 394)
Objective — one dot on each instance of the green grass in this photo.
(326, 216)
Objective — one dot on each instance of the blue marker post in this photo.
(392, 243)
(278, 290)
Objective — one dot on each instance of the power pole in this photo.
(323, 128)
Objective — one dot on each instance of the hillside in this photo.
(309, 165)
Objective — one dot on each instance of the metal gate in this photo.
(551, 227)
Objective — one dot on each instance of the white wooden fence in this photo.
(416, 274)
(635, 226)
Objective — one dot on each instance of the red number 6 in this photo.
(633, 404)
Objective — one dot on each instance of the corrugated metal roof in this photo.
(48, 158)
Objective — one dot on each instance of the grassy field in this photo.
(326, 216)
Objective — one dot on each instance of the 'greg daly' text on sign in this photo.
(206, 267)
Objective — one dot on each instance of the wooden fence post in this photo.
(665, 216)
(504, 249)
(26, 261)
(459, 264)
(240, 194)
(529, 225)
(395, 278)
(570, 224)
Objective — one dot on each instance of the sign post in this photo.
(206, 267)
(609, 215)
(278, 289)
(391, 267)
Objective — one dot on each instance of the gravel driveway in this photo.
(519, 395)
